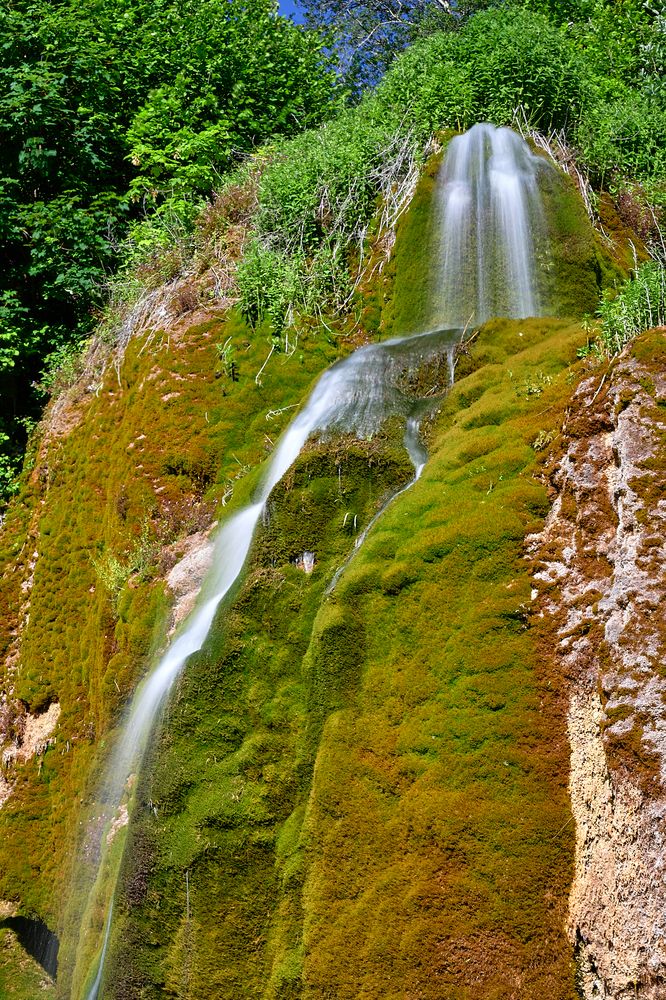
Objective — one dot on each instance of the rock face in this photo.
(36, 738)
(601, 584)
(195, 555)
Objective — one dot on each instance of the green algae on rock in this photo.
(331, 807)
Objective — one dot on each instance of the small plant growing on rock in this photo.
(115, 573)
(639, 305)
(543, 439)
(12, 722)
(535, 385)
(226, 354)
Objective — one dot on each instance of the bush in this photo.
(624, 134)
(269, 281)
(322, 181)
(639, 305)
(318, 192)
(501, 60)
(62, 367)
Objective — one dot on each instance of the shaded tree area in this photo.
(368, 34)
(107, 107)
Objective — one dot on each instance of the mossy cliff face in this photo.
(133, 468)
(366, 791)
(354, 794)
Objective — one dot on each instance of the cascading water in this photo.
(488, 204)
(356, 394)
(490, 229)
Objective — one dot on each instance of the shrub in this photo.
(61, 368)
(639, 305)
(502, 59)
(624, 134)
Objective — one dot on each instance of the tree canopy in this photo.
(107, 107)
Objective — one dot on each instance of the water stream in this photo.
(487, 207)
(490, 229)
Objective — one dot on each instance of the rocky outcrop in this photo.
(600, 587)
(35, 737)
(194, 556)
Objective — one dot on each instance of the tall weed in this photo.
(639, 305)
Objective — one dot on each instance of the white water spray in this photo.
(489, 228)
(487, 184)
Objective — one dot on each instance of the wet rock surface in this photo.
(600, 591)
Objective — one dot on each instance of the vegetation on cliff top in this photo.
(120, 109)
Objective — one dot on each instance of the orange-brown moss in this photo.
(155, 448)
(368, 790)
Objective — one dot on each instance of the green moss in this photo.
(145, 466)
(409, 269)
(21, 978)
(362, 786)
(359, 789)
(571, 284)
(437, 797)
(241, 738)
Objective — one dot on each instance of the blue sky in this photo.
(289, 7)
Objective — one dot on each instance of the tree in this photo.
(248, 75)
(368, 34)
(104, 102)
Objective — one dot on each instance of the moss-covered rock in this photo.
(354, 794)
(364, 793)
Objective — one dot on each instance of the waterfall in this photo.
(490, 229)
(487, 207)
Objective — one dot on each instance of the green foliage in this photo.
(317, 197)
(105, 110)
(323, 180)
(275, 284)
(247, 75)
(624, 136)
(8, 467)
(269, 281)
(227, 355)
(502, 59)
(640, 304)
(120, 117)
(62, 367)
(114, 572)
(321, 189)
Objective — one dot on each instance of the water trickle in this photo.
(34, 935)
(93, 993)
(488, 206)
